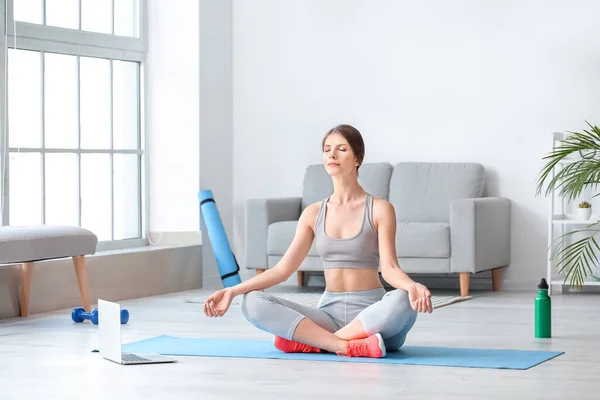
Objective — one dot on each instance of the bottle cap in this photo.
(543, 284)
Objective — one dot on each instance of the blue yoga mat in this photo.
(226, 262)
(416, 355)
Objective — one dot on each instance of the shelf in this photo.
(571, 219)
(564, 215)
(585, 283)
(569, 160)
(575, 222)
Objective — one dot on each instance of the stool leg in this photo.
(82, 281)
(27, 269)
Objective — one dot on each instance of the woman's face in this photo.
(338, 157)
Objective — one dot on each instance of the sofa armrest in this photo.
(479, 234)
(260, 213)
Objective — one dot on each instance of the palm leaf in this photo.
(577, 175)
(578, 257)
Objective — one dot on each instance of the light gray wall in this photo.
(216, 120)
(172, 116)
(438, 80)
(190, 120)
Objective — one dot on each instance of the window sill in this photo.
(138, 249)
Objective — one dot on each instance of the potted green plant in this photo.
(577, 259)
(584, 210)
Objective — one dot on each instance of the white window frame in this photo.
(45, 38)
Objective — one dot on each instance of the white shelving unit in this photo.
(562, 219)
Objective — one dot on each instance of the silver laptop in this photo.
(109, 326)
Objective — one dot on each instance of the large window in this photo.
(73, 146)
(118, 17)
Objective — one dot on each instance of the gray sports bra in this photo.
(359, 251)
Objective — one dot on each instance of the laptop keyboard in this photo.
(132, 357)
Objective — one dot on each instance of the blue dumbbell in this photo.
(79, 315)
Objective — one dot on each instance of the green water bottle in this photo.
(543, 311)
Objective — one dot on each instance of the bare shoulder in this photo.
(382, 206)
(309, 215)
(383, 210)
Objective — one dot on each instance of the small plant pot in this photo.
(584, 213)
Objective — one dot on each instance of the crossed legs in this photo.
(392, 317)
(292, 321)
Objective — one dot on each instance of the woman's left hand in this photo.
(420, 298)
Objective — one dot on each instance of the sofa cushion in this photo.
(413, 239)
(422, 192)
(317, 185)
(375, 178)
(423, 239)
(280, 236)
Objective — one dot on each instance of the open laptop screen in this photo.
(109, 326)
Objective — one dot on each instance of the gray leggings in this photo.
(388, 314)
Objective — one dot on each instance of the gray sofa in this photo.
(444, 223)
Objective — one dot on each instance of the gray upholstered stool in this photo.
(28, 244)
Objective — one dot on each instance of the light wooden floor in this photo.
(48, 356)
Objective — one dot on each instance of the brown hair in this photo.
(354, 138)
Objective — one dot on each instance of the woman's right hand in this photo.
(217, 304)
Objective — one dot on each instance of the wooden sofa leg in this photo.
(301, 277)
(25, 287)
(496, 279)
(82, 281)
(464, 283)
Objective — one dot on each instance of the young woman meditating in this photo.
(354, 234)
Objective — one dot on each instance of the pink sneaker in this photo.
(289, 346)
(372, 347)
